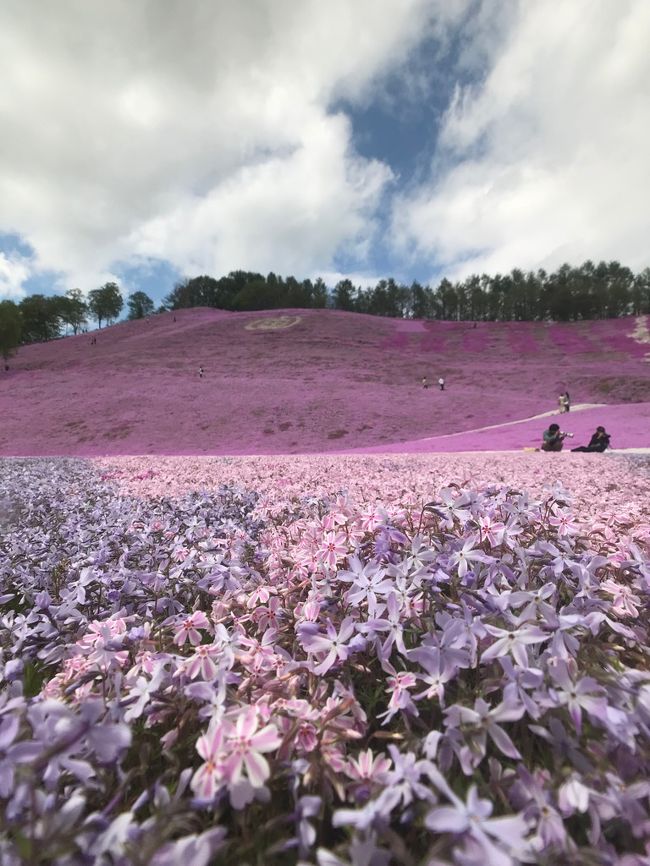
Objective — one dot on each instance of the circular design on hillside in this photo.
(273, 323)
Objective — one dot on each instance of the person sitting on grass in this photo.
(599, 442)
(553, 438)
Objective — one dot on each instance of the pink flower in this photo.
(368, 767)
(246, 748)
(625, 601)
(259, 655)
(491, 531)
(202, 662)
(311, 610)
(372, 518)
(260, 596)
(188, 630)
(230, 749)
(334, 545)
(207, 779)
(101, 632)
(269, 617)
(400, 697)
(307, 736)
(101, 641)
(564, 522)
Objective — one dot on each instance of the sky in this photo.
(151, 141)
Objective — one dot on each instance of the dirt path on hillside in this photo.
(577, 408)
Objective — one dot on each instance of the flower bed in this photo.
(525, 337)
(476, 340)
(625, 336)
(68, 397)
(571, 339)
(603, 489)
(294, 662)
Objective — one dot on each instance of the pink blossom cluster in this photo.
(610, 493)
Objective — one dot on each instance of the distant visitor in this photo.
(441, 383)
(599, 442)
(201, 372)
(563, 404)
(425, 382)
(553, 438)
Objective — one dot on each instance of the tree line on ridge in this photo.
(39, 318)
(606, 290)
(591, 291)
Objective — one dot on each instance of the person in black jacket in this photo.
(598, 442)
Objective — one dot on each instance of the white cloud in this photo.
(286, 213)
(545, 161)
(14, 271)
(199, 133)
(365, 281)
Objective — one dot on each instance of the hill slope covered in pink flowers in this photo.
(322, 381)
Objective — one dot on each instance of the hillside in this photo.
(330, 381)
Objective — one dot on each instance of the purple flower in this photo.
(142, 691)
(466, 555)
(435, 676)
(197, 849)
(583, 694)
(391, 623)
(513, 643)
(335, 645)
(368, 580)
(501, 840)
(486, 721)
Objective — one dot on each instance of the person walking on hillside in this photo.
(599, 442)
(567, 401)
(441, 383)
(561, 402)
(425, 382)
(201, 371)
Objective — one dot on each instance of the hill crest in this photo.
(283, 381)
